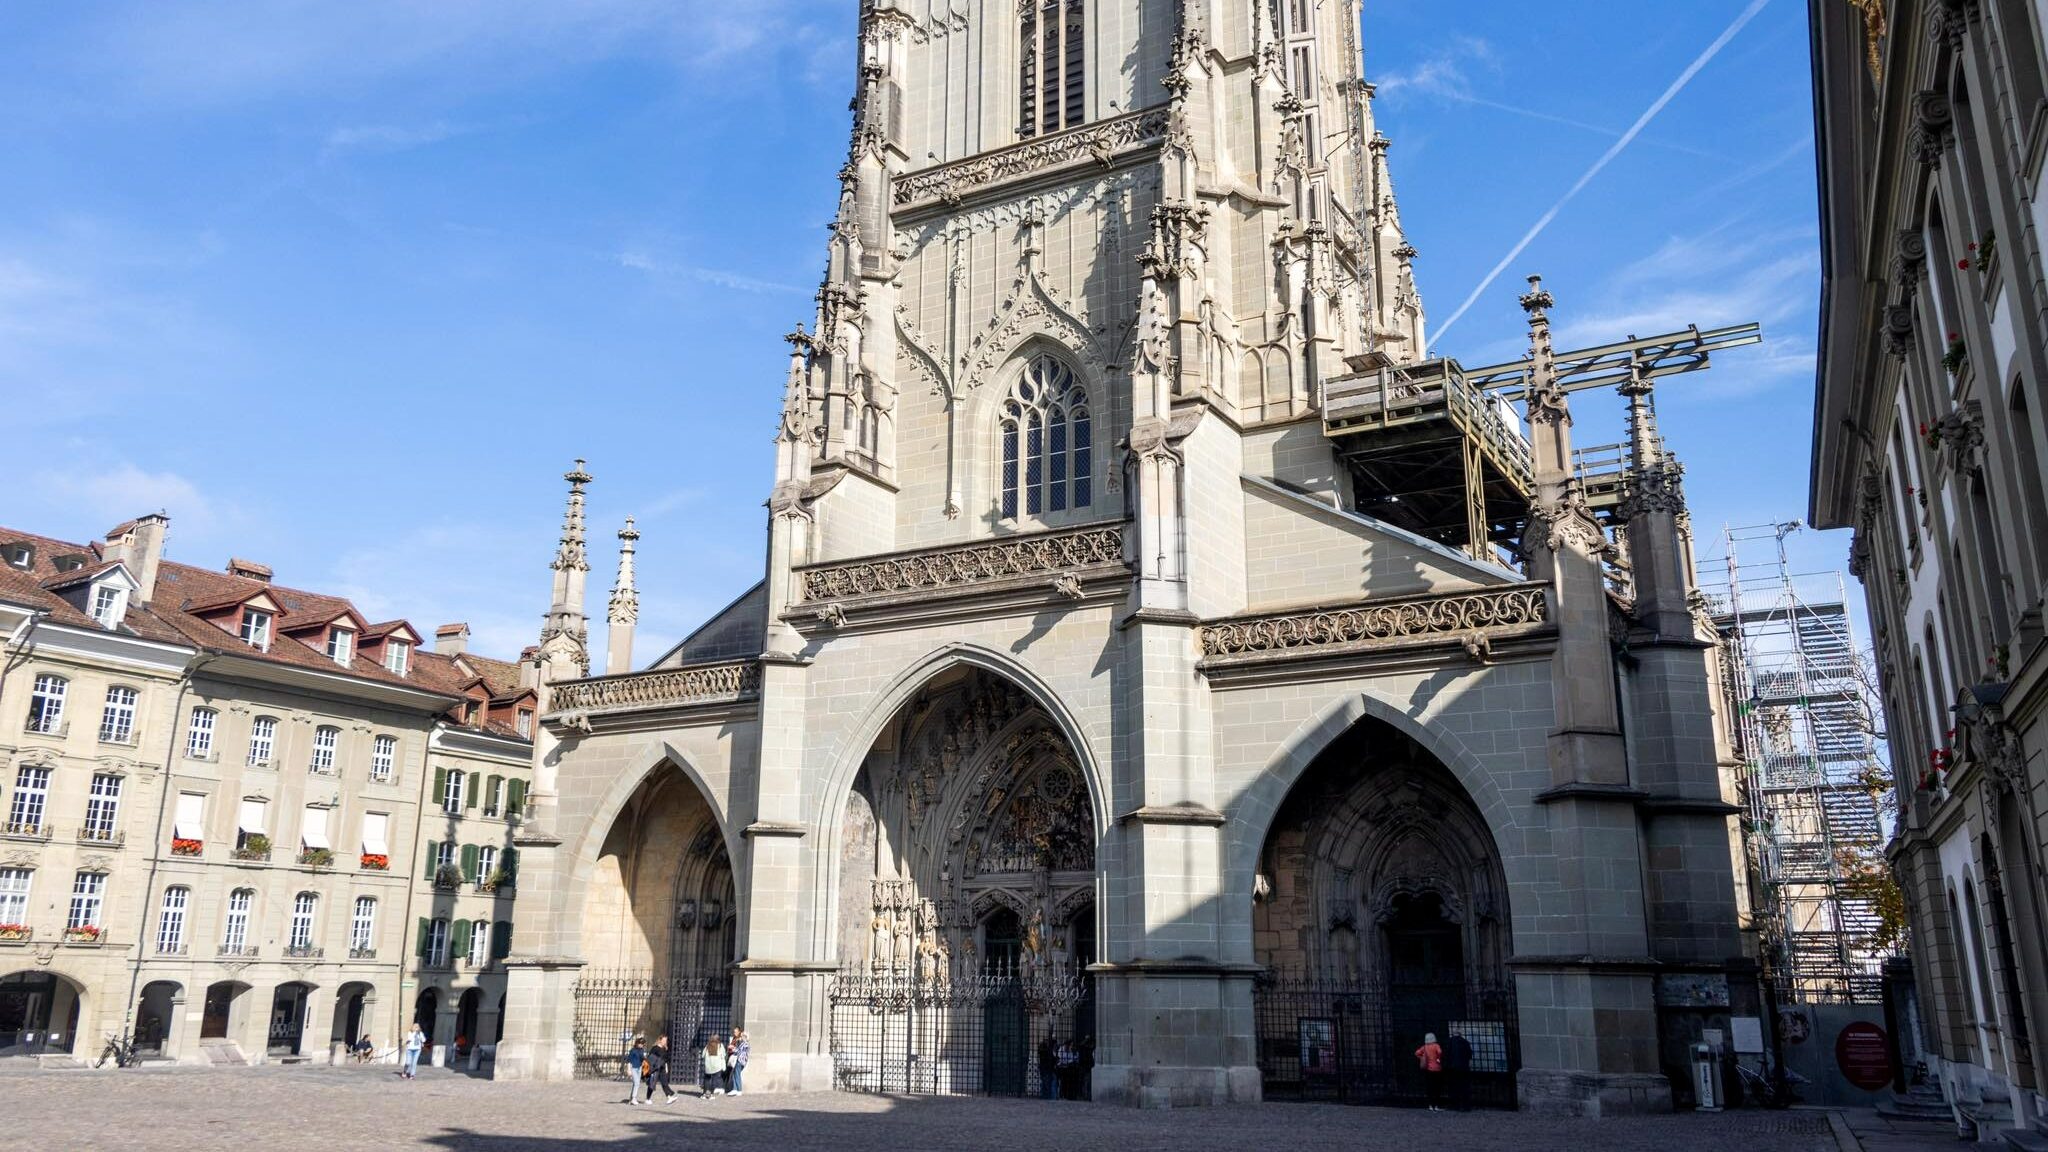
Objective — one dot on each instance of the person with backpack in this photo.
(737, 1051)
(657, 1071)
(636, 1069)
(714, 1066)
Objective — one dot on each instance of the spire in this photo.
(1646, 444)
(625, 608)
(564, 637)
(1550, 414)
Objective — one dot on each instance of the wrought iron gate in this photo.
(975, 1036)
(1352, 1040)
(613, 1007)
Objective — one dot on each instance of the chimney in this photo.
(451, 639)
(249, 570)
(140, 545)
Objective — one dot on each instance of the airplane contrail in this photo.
(1619, 146)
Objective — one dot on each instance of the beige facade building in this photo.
(225, 802)
(1159, 651)
(1929, 439)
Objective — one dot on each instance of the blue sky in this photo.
(344, 287)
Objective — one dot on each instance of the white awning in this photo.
(253, 816)
(190, 823)
(313, 830)
(373, 834)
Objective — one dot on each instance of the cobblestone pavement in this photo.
(274, 1109)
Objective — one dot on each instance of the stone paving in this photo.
(276, 1109)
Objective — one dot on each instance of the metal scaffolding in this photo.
(1807, 735)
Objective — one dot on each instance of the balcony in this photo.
(317, 857)
(448, 877)
(102, 837)
(239, 952)
(362, 953)
(180, 846)
(375, 862)
(25, 830)
(172, 949)
(85, 934)
(253, 848)
(303, 952)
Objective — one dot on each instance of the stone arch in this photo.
(635, 851)
(43, 1010)
(157, 1012)
(1252, 812)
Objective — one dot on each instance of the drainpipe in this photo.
(18, 645)
(163, 803)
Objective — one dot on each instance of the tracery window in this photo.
(1052, 53)
(1048, 454)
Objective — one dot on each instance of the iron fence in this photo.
(999, 1033)
(1352, 1040)
(613, 1007)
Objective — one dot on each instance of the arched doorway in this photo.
(466, 1010)
(223, 999)
(967, 855)
(289, 1005)
(156, 1016)
(660, 926)
(1380, 915)
(39, 1013)
(352, 1004)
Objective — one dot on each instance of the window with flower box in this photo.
(46, 705)
(199, 734)
(30, 800)
(234, 937)
(326, 740)
(188, 826)
(486, 867)
(252, 831)
(117, 719)
(14, 885)
(376, 856)
(299, 938)
(383, 758)
(88, 900)
(362, 929)
(314, 846)
(102, 809)
(262, 741)
(170, 921)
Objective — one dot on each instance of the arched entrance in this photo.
(289, 1005)
(1380, 915)
(223, 999)
(156, 1016)
(966, 896)
(352, 1003)
(660, 926)
(39, 1013)
(466, 1011)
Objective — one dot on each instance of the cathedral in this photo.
(1163, 659)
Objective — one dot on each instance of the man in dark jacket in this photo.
(1048, 1067)
(657, 1071)
(1458, 1064)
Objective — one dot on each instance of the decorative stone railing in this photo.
(1447, 616)
(964, 566)
(662, 688)
(1101, 141)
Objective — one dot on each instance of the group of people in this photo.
(1450, 1061)
(1064, 1068)
(724, 1066)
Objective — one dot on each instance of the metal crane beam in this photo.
(1612, 365)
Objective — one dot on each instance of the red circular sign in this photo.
(1864, 1056)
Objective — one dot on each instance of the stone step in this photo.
(1920, 1104)
(2025, 1140)
(223, 1052)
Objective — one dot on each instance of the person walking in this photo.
(414, 1041)
(1458, 1069)
(657, 1071)
(714, 1066)
(1430, 1058)
(737, 1051)
(636, 1070)
(1048, 1067)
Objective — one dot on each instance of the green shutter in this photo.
(511, 863)
(458, 944)
(501, 939)
(491, 787)
(433, 854)
(469, 863)
(426, 929)
(515, 797)
(440, 787)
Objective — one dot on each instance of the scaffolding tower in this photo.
(1807, 736)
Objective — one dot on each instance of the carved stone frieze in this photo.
(963, 566)
(1102, 141)
(663, 688)
(1452, 615)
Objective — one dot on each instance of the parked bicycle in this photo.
(1762, 1089)
(120, 1049)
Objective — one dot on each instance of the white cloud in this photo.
(660, 269)
(391, 137)
(85, 499)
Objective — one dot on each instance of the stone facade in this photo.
(1930, 441)
(1076, 648)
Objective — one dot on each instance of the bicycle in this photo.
(1763, 1090)
(119, 1049)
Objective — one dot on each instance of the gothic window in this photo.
(1047, 442)
(1051, 48)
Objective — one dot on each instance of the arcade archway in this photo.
(1380, 916)
(966, 898)
(39, 1013)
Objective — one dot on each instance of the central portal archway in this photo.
(1381, 917)
(966, 901)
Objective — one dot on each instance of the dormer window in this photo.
(526, 721)
(20, 555)
(109, 604)
(341, 646)
(397, 656)
(256, 628)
